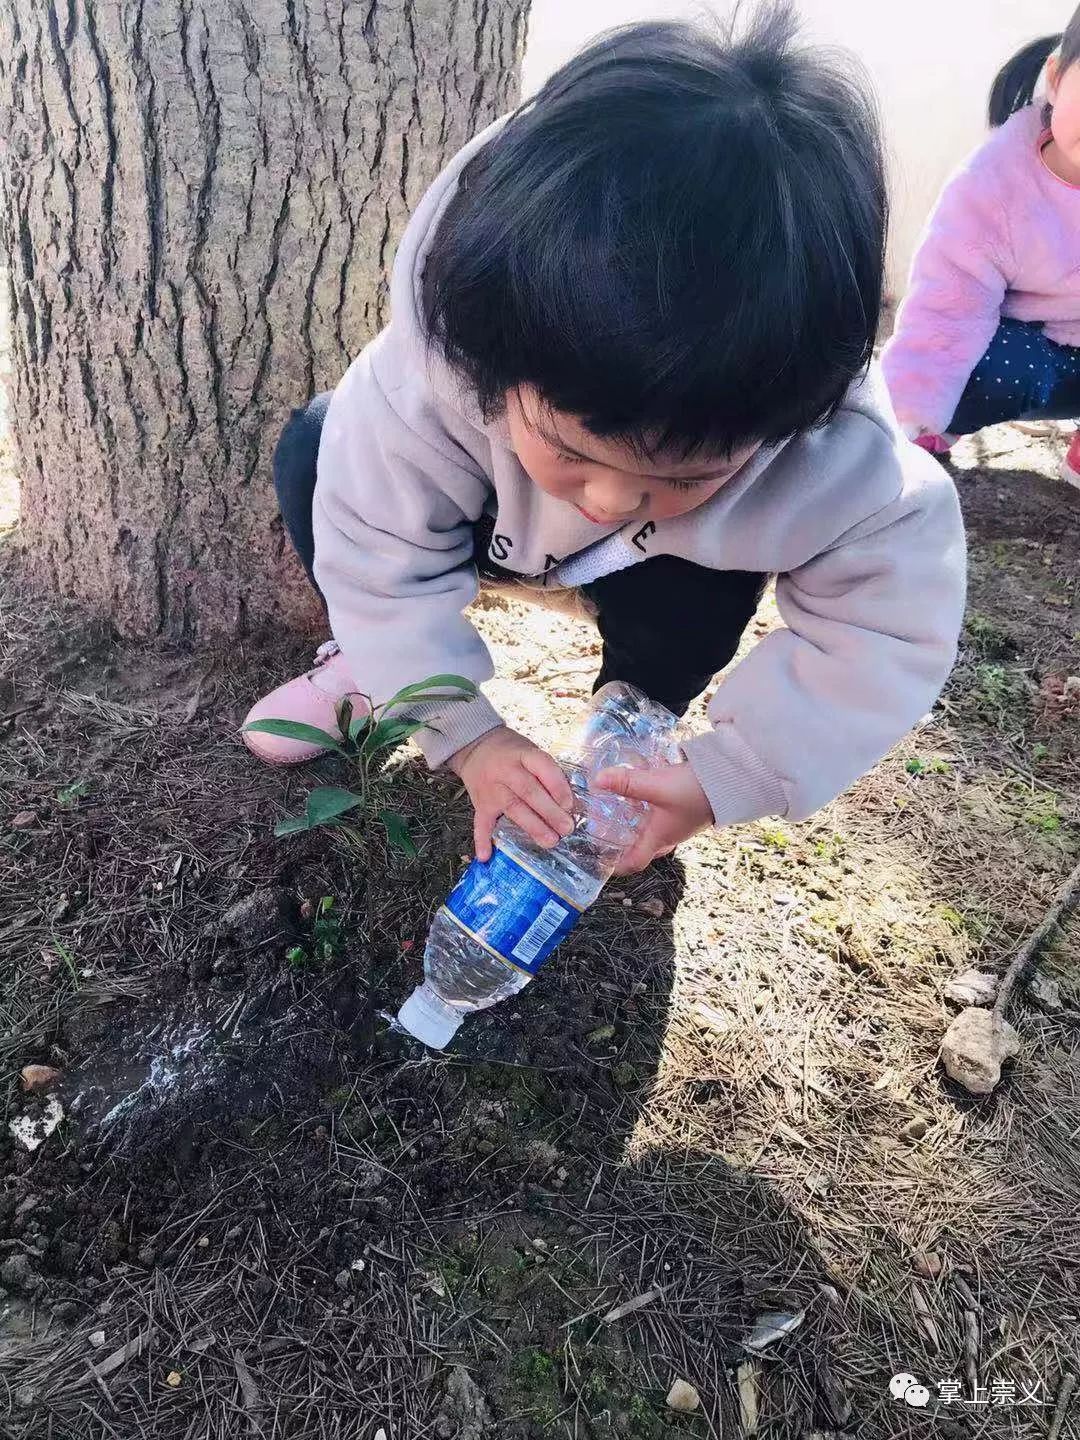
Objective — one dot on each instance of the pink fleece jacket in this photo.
(1003, 240)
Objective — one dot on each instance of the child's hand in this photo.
(678, 808)
(506, 774)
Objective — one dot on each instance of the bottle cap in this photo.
(429, 1018)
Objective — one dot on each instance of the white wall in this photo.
(931, 61)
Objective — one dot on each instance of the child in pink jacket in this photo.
(990, 328)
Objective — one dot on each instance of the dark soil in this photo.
(290, 1221)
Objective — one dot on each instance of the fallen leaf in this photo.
(248, 1389)
(619, 1312)
(120, 1357)
(771, 1326)
(1044, 992)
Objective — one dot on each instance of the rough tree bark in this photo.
(201, 201)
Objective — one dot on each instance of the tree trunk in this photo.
(201, 201)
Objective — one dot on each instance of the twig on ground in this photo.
(1061, 907)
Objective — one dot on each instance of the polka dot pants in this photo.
(1023, 376)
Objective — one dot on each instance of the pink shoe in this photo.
(312, 698)
(1070, 466)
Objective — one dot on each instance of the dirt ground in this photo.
(266, 1214)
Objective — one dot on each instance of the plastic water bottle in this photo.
(506, 915)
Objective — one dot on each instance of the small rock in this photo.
(915, 1129)
(344, 1279)
(927, 1264)
(762, 998)
(25, 1395)
(973, 987)
(203, 1242)
(173, 1378)
(147, 1255)
(96, 1338)
(464, 1413)
(23, 819)
(973, 1051)
(653, 906)
(1044, 992)
(683, 1397)
(65, 1310)
(36, 1078)
(18, 1274)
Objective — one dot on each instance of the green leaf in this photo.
(296, 730)
(397, 832)
(388, 733)
(328, 802)
(292, 826)
(423, 688)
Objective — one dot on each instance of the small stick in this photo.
(1068, 1385)
(1061, 908)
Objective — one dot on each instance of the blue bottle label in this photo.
(511, 912)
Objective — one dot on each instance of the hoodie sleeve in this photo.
(953, 303)
(393, 512)
(869, 638)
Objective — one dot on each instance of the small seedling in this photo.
(367, 735)
(325, 938)
(70, 794)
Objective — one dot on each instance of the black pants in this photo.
(666, 624)
(1022, 376)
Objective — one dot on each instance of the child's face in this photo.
(604, 480)
(1064, 88)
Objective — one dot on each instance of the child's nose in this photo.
(611, 497)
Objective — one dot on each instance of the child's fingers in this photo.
(483, 824)
(534, 825)
(533, 794)
(638, 857)
(549, 772)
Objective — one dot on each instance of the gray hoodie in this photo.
(861, 528)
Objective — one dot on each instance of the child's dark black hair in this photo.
(1014, 85)
(680, 240)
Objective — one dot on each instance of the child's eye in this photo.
(684, 484)
(570, 459)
